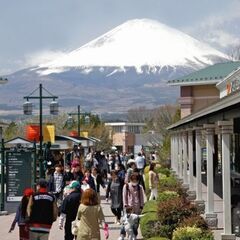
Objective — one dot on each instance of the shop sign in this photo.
(233, 86)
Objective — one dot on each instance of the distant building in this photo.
(198, 89)
(124, 134)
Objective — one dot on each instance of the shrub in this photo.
(150, 206)
(194, 221)
(158, 238)
(193, 233)
(166, 195)
(149, 225)
(163, 171)
(172, 211)
(170, 184)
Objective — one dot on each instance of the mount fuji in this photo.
(126, 67)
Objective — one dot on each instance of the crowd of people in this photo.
(72, 192)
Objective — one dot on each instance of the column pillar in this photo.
(191, 192)
(185, 160)
(180, 155)
(172, 152)
(210, 216)
(226, 131)
(176, 153)
(199, 201)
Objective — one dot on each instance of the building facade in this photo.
(216, 129)
(198, 90)
(123, 135)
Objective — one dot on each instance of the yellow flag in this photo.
(84, 134)
(49, 133)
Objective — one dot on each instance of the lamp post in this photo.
(78, 114)
(3, 80)
(27, 109)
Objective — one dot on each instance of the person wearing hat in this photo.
(69, 209)
(42, 212)
(21, 215)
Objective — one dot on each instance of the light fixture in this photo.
(27, 108)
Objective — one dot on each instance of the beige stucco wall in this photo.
(124, 139)
(204, 96)
(194, 98)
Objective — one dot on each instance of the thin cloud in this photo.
(42, 57)
(220, 30)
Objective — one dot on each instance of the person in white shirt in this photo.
(140, 163)
(130, 225)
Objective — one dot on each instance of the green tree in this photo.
(11, 131)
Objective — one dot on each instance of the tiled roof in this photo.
(214, 74)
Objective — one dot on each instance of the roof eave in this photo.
(195, 83)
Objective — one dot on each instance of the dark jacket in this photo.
(67, 177)
(42, 210)
(70, 205)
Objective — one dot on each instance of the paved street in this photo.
(56, 234)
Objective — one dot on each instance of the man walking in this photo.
(42, 212)
(69, 209)
(140, 163)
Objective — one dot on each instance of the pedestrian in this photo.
(69, 209)
(132, 166)
(114, 189)
(77, 172)
(21, 216)
(88, 181)
(42, 212)
(98, 181)
(67, 175)
(121, 171)
(133, 194)
(90, 215)
(141, 178)
(130, 225)
(153, 182)
(55, 182)
(140, 163)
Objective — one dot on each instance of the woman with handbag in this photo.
(90, 216)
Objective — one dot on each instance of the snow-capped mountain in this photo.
(137, 43)
(126, 67)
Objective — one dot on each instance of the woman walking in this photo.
(114, 188)
(133, 194)
(90, 215)
(21, 215)
(153, 182)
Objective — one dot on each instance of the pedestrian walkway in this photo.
(218, 208)
(56, 234)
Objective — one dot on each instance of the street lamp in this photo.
(70, 120)
(3, 80)
(27, 110)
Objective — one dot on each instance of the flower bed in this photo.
(172, 216)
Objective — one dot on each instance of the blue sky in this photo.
(35, 31)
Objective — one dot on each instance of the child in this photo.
(130, 225)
